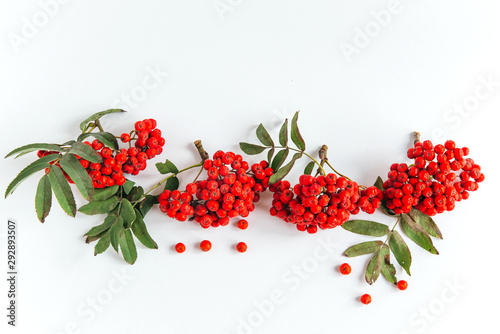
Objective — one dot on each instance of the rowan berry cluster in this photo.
(115, 163)
(230, 190)
(148, 144)
(325, 201)
(440, 176)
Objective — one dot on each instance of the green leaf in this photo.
(108, 222)
(283, 136)
(85, 151)
(99, 207)
(251, 149)
(379, 184)
(147, 204)
(127, 186)
(114, 233)
(104, 193)
(29, 170)
(400, 250)
(270, 155)
(62, 190)
(388, 270)
(96, 116)
(135, 194)
(426, 222)
(78, 174)
(279, 159)
(127, 247)
(373, 268)
(366, 227)
(295, 133)
(363, 248)
(309, 168)
(283, 171)
(93, 238)
(108, 139)
(264, 136)
(417, 234)
(172, 183)
(34, 147)
(166, 167)
(102, 244)
(43, 198)
(68, 143)
(127, 213)
(141, 232)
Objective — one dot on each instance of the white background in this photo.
(220, 71)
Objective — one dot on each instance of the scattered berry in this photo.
(366, 299)
(345, 269)
(205, 245)
(180, 247)
(402, 285)
(241, 247)
(243, 224)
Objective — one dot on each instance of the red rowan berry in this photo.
(106, 152)
(180, 247)
(402, 285)
(366, 299)
(125, 137)
(97, 145)
(241, 247)
(140, 126)
(345, 269)
(205, 245)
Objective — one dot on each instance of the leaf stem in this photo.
(199, 173)
(392, 230)
(98, 124)
(328, 163)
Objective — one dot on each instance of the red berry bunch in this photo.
(324, 201)
(439, 176)
(148, 144)
(230, 190)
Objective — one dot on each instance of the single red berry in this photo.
(125, 137)
(180, 247)
(402, 285)
(205, 245)
(140, 126)
(345, 269)
(449, 144)
(148, 124)
(366, 299)
(153, 123)
(241, 247)
(106, 152)
(141, 156)
(97, 145)
(243, 224)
